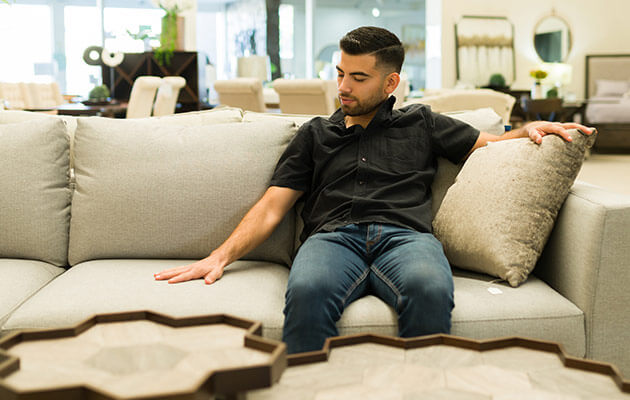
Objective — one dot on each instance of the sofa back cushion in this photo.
(146, 190)
(35, 200)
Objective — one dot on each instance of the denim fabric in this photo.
(405, 268)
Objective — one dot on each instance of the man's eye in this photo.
(339, 76)
(359, 79)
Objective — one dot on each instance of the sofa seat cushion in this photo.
(20, 279)
(255, 290)
(533, 310)
(248, 289)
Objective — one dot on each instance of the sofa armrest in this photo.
(587, 260)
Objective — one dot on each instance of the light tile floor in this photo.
(609, 171)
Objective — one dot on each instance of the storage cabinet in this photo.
(183, 63)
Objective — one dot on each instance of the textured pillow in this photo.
(497, 216)
(145, 190)
(484, 119)
(35, 200)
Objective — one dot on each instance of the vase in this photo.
(173, 32)
(181, 34)
(537, 91)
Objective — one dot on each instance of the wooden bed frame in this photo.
(613, 137)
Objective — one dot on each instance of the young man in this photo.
(365, 175)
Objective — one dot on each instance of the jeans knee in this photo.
(431, 292)
(308, 296)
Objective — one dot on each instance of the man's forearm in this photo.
(257, 225)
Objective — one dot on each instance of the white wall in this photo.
(597, 27)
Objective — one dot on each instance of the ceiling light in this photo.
(376, 12)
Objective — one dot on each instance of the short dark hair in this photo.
(379, 42)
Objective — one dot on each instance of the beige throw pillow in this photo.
(497, 216)
(35, 200)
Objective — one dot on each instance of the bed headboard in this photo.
(605, 66)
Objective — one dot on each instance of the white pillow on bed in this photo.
(608, 88)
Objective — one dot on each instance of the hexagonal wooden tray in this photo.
(446, 367)
(140, 355)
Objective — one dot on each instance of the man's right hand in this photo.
(253, 229)
(207, 268)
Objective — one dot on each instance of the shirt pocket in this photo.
(401, 148)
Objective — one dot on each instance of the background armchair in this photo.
(245, 93)
(306, 96)
(459, 100)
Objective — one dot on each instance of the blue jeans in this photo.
(406, 269)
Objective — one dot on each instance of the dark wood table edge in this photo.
(227, 383)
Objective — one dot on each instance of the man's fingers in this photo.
(213, 276)
(538, 132)
(573, 125)
(171, 272)
(184, 276)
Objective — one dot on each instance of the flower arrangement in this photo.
(538, 74)
(168, 37)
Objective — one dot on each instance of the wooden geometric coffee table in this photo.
(365, 367)
(140, 355)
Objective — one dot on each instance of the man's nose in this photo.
(343, 85)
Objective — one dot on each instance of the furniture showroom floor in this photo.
(610, 171)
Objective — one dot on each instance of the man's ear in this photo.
(391, 82)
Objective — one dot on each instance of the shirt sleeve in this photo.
(451, 138)
(295, 167)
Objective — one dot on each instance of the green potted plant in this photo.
(169, 38)
(98, 95)
(497, 81)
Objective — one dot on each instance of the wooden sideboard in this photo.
(184, 63)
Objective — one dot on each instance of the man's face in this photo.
(362, 87)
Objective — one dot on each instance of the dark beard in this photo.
(362, 109)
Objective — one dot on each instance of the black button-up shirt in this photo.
(381, 174)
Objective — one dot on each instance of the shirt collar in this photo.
(383, 115)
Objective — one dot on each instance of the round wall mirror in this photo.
(552, 39)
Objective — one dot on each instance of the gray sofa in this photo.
(92, 207)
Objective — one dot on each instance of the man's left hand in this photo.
(537, 129)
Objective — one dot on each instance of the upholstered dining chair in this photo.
(306, 96)
(245, 93)
(461, 100)
(142, 95)
(44, 95)
(167, 94)
(15, 95)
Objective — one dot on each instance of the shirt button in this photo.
(361, 183)
(363, 159)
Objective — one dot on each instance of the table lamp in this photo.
(559, 75)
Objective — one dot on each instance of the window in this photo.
(82, 31)
(120, 20)
(26, 43)
(286, 31)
